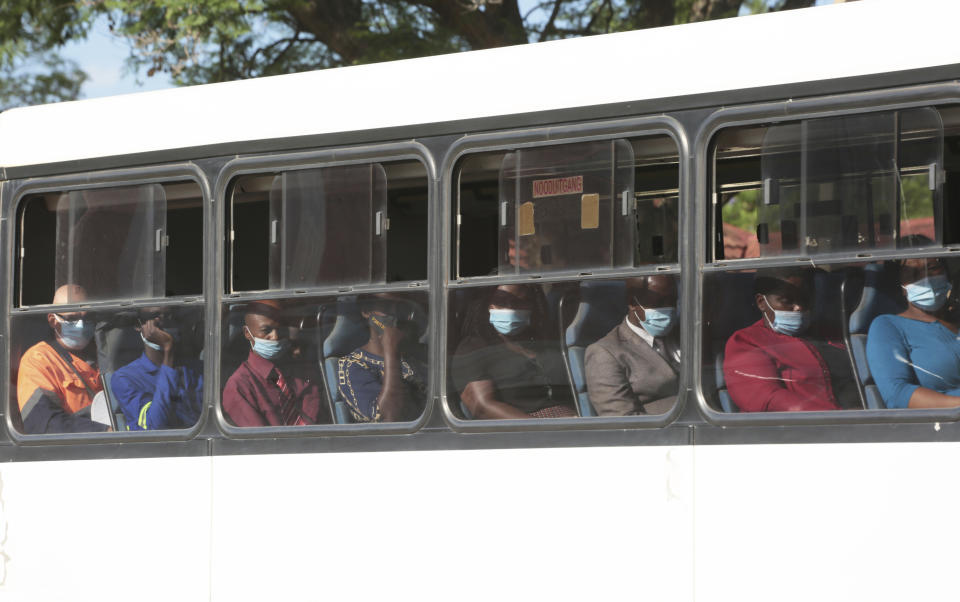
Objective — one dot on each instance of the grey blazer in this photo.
(625, 376)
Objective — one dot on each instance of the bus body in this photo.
(698, 503)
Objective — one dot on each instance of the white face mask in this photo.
(75, 334)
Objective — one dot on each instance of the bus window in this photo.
(345, 359)
(123, 242)
(846, 336)
(332, 226)
(575, 207)
(591, 348)
(117, 368)
(828, 185)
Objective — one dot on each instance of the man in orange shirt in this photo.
(58, 377)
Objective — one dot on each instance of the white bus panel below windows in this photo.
(73, 530)
(512, 524)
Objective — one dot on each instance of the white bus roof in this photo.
(835, 41)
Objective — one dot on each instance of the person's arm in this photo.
(894, 374)
(480, 397)
(607, 384)
(41, 408)
(393, 392)
(147, 410)
(755, 383)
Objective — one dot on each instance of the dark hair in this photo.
(476, 318)
(775, 281)
(914, 240)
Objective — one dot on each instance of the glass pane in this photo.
(333, 226)
(330, 226)
(848, 183)
(344, 360)
(774, 341)
(120, 370)
(112, 242)
(601, 347)
(567, 207)
(575, 207)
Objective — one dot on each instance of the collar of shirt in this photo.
(640, 332)
(261, 367)
(147, 366)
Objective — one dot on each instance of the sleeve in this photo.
(41, 409)
(468, 364)
(146, 410)
(359, 388)
(190, 404)
(887, 356)
(607, 384)
(754, 382)
(240, 408)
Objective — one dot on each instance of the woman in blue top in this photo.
(915, 355)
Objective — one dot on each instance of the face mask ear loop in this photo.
(770, 307)
(251, 335)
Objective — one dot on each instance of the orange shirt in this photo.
(41, 367)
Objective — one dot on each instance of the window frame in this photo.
(358, 155)
(629, 128)
(931, 95)
(164, 174)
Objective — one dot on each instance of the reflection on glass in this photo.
(347, 359)
(831, 184)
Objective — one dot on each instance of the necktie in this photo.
(661, 348)
(288, 411)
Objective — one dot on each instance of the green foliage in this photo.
(917, 197)
(741, 210)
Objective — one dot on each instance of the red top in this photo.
(252, 396)
(771, 372)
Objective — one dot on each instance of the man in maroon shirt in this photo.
(271, 388)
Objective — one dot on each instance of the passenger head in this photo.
(783, 297)
(72, 329)
(509, 310)
(264, 330)
(384, 310)
(924, 280)
(153, 319)
(652, 303)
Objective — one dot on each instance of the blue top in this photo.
(360, 379)
(159, 397)
(905, 354)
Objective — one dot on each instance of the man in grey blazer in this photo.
(634, 368)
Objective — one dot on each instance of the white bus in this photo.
(804, 157)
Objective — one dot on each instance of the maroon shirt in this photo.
(252, 397)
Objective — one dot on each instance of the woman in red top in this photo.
(774, 366)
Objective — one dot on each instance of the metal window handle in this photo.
(932, 176)
(158, 239)
(378, 223)
(625, 208)
(503, 213)
(274, 225)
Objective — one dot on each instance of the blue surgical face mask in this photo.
(659, 320)
(267, 349)
(510, 321)
(790, 323)
(76, 334)
(930, 293)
